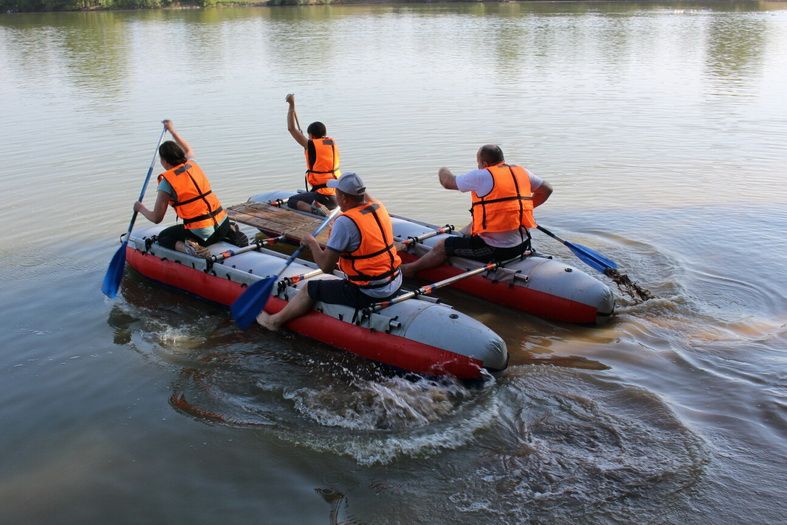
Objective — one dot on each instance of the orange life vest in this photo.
(508, 206)
(375, 259)
(325, 167)
(194, 201)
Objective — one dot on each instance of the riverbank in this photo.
(39, 6)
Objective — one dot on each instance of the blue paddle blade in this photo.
(247, 307)
(114, 274)
(591, 257)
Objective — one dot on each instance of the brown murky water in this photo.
(662, 129)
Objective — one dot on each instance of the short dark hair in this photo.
(491, 154)
(316, 130)
(171, 153)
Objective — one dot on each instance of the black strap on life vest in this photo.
(209, 215)
(189, 201)
(518, 197)
(327, 142)
(389, 275)
(200, 195)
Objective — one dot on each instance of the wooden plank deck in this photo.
(275, 221)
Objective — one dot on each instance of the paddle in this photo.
(590, 257)
(294, 279)
(429, 288)
(448, 228)
(604, 265)
(246, 307)
(295, 114)
(114, 274)
(256, 245)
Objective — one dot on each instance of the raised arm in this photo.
(292, 125)
(180, 140)
(447, 179)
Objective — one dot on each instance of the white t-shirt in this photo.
(481, 182)
(345, 237)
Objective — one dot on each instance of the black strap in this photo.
(389, 276)
(183, 168)
(501, 199)
(372, 208)
(369, 255)
(209, 215)
(189, 201)
(518, 197)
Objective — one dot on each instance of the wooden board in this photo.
(276, 221)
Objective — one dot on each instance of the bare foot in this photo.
(265, 320)
(192, 248)
(320, 209)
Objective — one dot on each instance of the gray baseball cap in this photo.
(349, 183)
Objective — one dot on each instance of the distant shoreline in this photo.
(55, 6)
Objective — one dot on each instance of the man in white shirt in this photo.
(503, 198)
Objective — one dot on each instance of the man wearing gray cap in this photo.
(361, 242)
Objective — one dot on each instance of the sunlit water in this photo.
(662, 129)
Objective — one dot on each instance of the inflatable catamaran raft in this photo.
(537, 285)
(418, 335)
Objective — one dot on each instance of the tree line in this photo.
(14, 6)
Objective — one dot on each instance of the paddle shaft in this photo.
(295, 114)
(114, 273)
(256, 245)
(448, 228)
(551, 234)
(316, 232)
(294, 279)
(590, 257)
(145, 185)
(429, 288)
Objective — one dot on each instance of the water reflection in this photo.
(675, 409)
(734, 52)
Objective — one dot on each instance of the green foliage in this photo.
(85, 5)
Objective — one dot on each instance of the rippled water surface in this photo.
(662, 129)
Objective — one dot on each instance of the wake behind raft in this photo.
(418, 335)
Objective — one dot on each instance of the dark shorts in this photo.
(329, 201)
(169, 236)
(341, 291)
(475, 248)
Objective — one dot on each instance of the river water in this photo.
(662, 128)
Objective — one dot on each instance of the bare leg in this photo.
(298, 306)
(433, 257)
(303, 206)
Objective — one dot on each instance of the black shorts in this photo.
(329, 201)
(475, 248)
(169, 236)
(341, 291)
